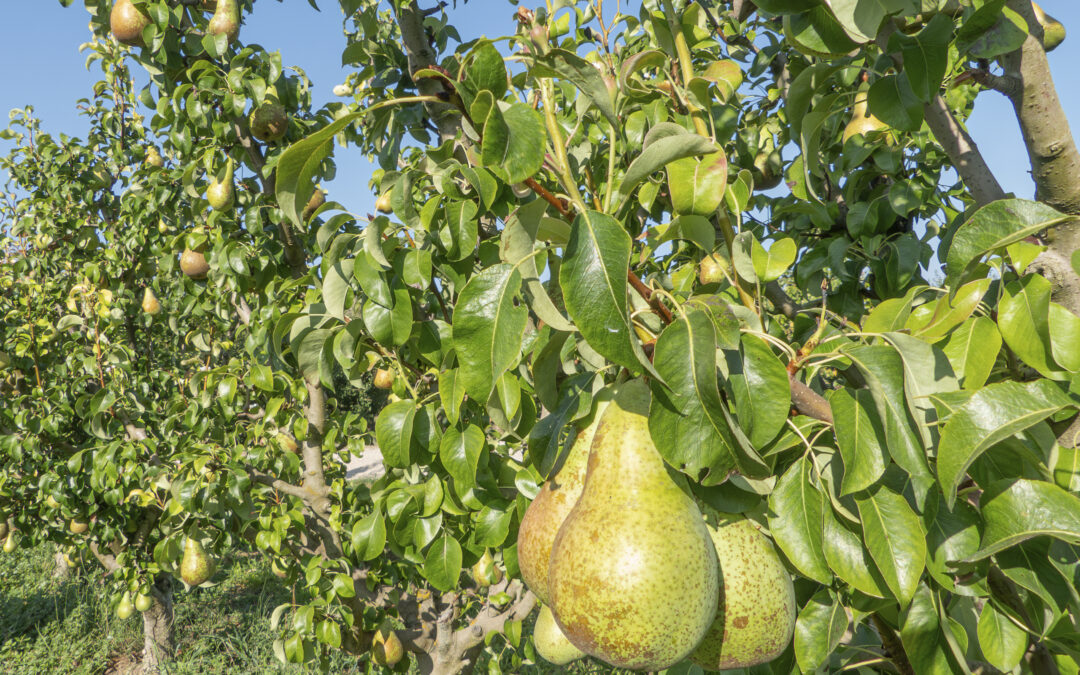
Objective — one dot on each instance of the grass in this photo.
(48, 625)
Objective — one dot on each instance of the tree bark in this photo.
(62, 570)
(158, 641)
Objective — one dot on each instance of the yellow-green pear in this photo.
(9, 542)
(226, 20)
(768, 170)
(154, 158)
(711, 269)
(485, 572)
(193, 264)
(384, 379)
(552, 504)
(386, 648)
(269, 122)
(125, 609)
(51, 502)
(220, 193)
(143, 602)
(127, 22)
(633, 577)
(196, 568)
(150, 303)
(862, 121)
(1053, 30)
(78, 526)
(382, 204)
(756, 614)
(550, 642)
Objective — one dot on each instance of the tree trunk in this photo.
(62, 570)
(158, 643)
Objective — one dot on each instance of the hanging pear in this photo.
(386, 648)
(550, 642)
(485, 572)
(153, 158)
(3, 526)
(193, 264)
(633, 577)
(862, 121)
(755, 618)
(150, 303)
(126, 22)
(220, 192)
(196, 568)
(269, 122)
(10, 543)
(1053, 30)
(125, 609)
(552, 504)
(143, 602)
(226, 20)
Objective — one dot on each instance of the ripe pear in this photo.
(1053, 30)
(10, 544)
(220, 193)
(550, 642)
(269, 122)
(862, 121)
(196, 568)
(125, 609)
(634, 579)
(386, 648)
(150, 303)
(756, 614)
(552, 505)
(485, 572)
(127, 22)
(318, 198)
(193, 264)
(153, 158)
(226, 20)
(384, 379)
(78, 526)
(382, 204)
(143, 602)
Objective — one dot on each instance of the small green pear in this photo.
(196, 568)
(143, 602)
(220, 193)
(154, 158)
(226, 20)
(485, 572)
(10, 543)
(127, 23)
(382, 204)
(269, 122)
(51, 502)
(768, 170)
(386, 648)
(755, 618)
(193, 264)
(712, 267)
(550, 642)
(150, 303)
(125, 609)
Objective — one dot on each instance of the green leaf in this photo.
(686, 421)
(858, 436)
(369, 536)
(849, 559)
(1024, 322)
(459, 452)
(442, 565)
(921, 635)
(518, 246)
(459, 234)
(892, 100)
(696, 229)
(895, 538)
(299, 164)
(927, 373)
(771, 263)
(569, 66)
(795, 521)
(861, 19)
(393, 433)
(926, 55)
(514, 140)
(390, 325)
(487, 71)
(821, 625)
(951, 535)
(991, 415)
(488, 327)
(1064, 329)
(762, 390)
(1017, 511)
(973, 349)
(1003, 643)
(594, 279)
(329, 632)
(696, 184)
(994, 227)
(662, 152)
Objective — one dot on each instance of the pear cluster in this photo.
(127, 22)
(631, 572)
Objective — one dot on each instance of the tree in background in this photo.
(581, 204)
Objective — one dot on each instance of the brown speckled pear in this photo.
(633, 577)
(126, 23)
(226, 20)
(549, 641)
(549, 509)
(756, 614)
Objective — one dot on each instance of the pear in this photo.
(78, 526)
(318, 198)
(143, 602)
(756, 614)
(550, 642)
(193, 264)
(4, 529)
(633, 578)
(127, 22)
(1053, 30)
(552, 504)
(196, 568)
(485, 572)
(125, 609)
(226, 20)
(386, 648)
(51, 502)
(220, 192)
(153, 158)
(10, 544)
(150, 303)
(269, 122)
(711, 269)
(768, 170)
(862, 121)
(382, 204)
(384, 379)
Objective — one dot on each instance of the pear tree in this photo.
(852, 354)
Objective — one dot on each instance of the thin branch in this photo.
(650, 297)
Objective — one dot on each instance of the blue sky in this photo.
(49, 73)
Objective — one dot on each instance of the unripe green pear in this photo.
(154, 158)
(862, 122)
(768, 170)
(10, 544)
(485, 572)
(127, 23)
(1053, 30)
(269, 122)
(4, 529)
(756, 614)
(220, 193)
(51, 502)
(143, 602)
(318, 198)
(550, 642)
(125, 609)
(382, 204)
(633, 578)
(384, 379)
(711, 269)
(196, 568)
(226, 20)
(386, 648)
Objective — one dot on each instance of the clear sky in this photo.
(43, 67)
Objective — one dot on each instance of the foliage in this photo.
(903, 436)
